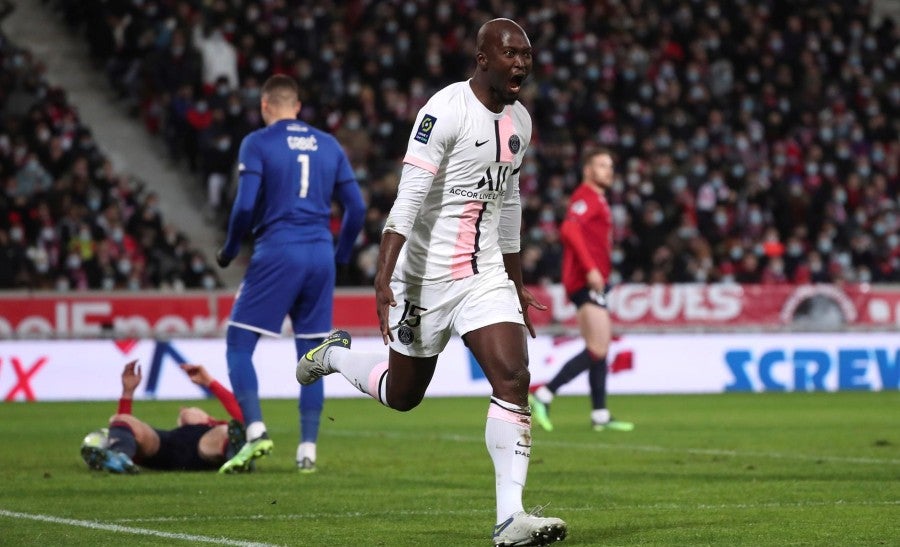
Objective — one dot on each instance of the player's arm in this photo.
(414, 185)
(573, 239)
(510, 246)
(249, 182)
(200, 376)
(350, 198)
(131, 379)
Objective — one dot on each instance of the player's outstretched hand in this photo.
(222, 260)
(198, 374)
(528, 300)
(131, 377)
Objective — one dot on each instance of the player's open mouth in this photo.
(515, 83)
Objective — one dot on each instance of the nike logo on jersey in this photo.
(477, 144)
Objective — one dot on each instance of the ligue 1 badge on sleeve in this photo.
(405, 335)
(423, 133)
(514, 144)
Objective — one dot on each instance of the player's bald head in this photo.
(494, 31)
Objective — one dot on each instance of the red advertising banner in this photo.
(205, 314)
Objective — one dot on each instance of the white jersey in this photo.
(475, 156)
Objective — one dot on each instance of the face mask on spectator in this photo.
(209, 282)
(62, 284)
(736, 253)
(260, 64)
(42, 266)
(108, 283)
(73, 262)
(124, 266)
(864, 170)
(16, 234)
(794, 249)
(117, 235)
(48, 233)
(825, 245)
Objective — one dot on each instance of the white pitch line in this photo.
(609, 507)
(129, 530)
(633, 447)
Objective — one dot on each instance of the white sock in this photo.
(364, 369)
(508, 438)
(544, 395)
(600, 416)
(255, 431)
(306, 450)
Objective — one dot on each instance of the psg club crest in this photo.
(405, 335)
(514, 144)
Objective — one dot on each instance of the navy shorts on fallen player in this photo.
(587, 296)
(178, 450)
(287, 279)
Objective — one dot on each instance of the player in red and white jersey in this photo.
(449, 263)
(586, 235)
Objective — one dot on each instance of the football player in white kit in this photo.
(449, 262)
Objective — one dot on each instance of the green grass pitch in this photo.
(735, 469)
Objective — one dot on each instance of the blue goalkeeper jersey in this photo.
(289, 174)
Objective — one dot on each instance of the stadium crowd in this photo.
(757, 141)
(68, 220)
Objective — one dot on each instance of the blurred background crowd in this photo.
(756, 141)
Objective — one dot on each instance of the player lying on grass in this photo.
(199, 442)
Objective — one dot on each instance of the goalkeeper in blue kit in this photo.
(289, 174)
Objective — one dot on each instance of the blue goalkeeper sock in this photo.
(312, 397)
(240, 344)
